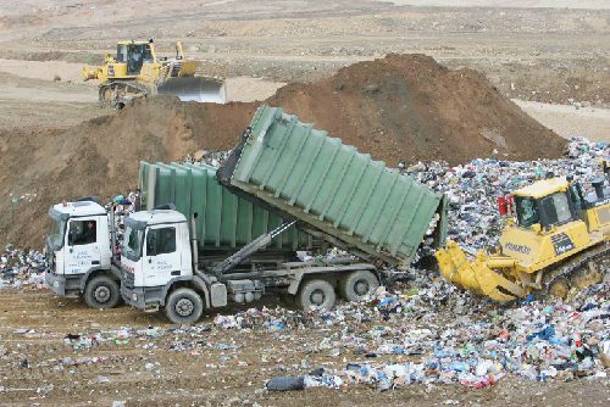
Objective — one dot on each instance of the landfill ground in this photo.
(553, 62)
(209, 376)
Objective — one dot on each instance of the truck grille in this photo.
(127, 279)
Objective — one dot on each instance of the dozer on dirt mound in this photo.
(138, 71)
(555, 240)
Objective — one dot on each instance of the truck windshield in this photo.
(527, 212)
(132, 243)
(56, 236)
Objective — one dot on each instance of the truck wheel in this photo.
(357, 285)
(183, 306)
(318, 294)
(102, 292)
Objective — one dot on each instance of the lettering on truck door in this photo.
(83, 251)
(162, 259)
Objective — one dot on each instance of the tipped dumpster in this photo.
(224, 221)
(334, 191)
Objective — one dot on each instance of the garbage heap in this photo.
(433, 334)
(473, 188)
(19, 268)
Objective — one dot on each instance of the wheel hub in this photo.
(101, 294)
(184, 307)
(361, 287)
(317, 297)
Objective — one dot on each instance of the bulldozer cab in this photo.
(548, 203)
(134, 54)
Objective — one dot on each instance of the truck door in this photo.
(162, 260)
(83, 252)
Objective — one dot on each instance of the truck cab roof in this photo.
(157, 216)
(134, 42)
(76, 209)
(543, 188)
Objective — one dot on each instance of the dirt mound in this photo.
(400, 107)
(101, 156)
(410, 107)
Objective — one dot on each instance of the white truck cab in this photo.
(157, 259)
(156, 249)
(79, 254)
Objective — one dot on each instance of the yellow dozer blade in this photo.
(195, 89)
(476, 275)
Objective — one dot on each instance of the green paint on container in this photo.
(333, 188)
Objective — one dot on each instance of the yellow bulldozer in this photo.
(137, 70)
(554, 241)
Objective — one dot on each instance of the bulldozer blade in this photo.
(475, 275)
(195, 89)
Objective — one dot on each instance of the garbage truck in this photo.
(199, 243)
(79, 246)
(210, 246)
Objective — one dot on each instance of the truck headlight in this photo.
(56, 284)
(134, 297)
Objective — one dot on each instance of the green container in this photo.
(332, 188)
(224, 220)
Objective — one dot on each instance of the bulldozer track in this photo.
(567, 269)
(118, 91)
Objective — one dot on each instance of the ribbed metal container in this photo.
(224, 220)
(331, 187)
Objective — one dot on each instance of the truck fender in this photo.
(297, 277)
(85, 277)
(169, 285)
(293, 288)
(200, 284)
(195, 280)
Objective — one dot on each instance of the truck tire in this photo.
(184, 306)
(357, 285)
(319, 294)
(102, 292)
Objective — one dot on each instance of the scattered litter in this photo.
(425, 331)
(21, 268)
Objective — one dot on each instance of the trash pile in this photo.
(213, 158)
(535, 340)
(120, 336)
(472, 189)
(20, 268)
(466, 340)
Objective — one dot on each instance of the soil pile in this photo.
(101, 156)
(408, 107)
(398, 108)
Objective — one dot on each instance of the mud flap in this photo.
(476, 276)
